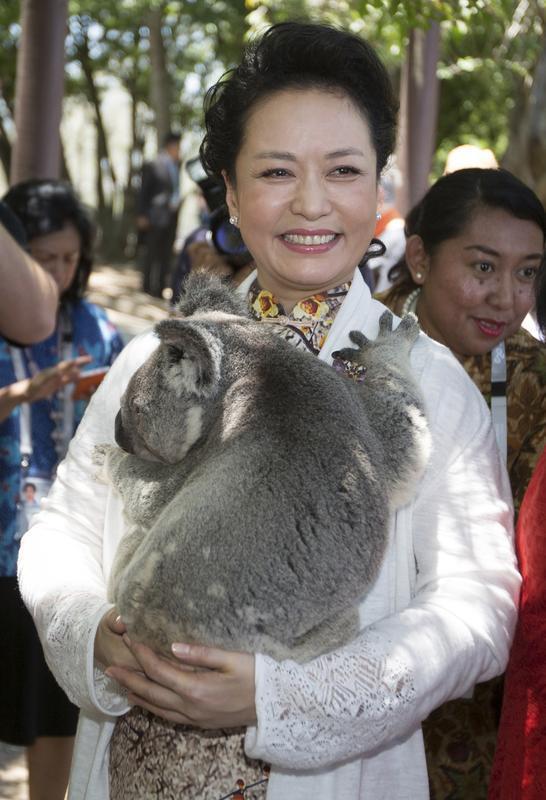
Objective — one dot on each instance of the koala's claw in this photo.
(100, 451)
(99, 458)
(385, 323)
(358, 338)
(409, 328)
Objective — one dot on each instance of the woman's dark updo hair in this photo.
(451, 203)
(297, 55)
(46, 206)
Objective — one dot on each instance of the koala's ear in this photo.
(203, 292)
(194, 356)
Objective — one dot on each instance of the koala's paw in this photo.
(389, 344)
(99, 458)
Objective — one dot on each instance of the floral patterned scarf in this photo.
(310, 320)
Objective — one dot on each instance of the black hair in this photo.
(12, 224)
(45, 206)
(297, 55)
(540, 294)
(450, 204)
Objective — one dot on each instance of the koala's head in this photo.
(203, 292)
(169, 399)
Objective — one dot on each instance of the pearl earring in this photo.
(234, 220)
(378, 216)
(419, 276)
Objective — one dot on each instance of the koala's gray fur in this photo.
(257, 482)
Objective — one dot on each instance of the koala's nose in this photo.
(121, 437)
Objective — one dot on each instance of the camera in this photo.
(225, 237)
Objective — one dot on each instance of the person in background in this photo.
(158, 206)
(475, 245)
(300, 132)
(28, 294)
(389, 229)
(519, 769)
(470, 155)
(39, 416)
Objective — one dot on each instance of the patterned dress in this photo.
(460, 736)
(153, 758)
(32, 703)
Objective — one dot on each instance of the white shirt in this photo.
(439, 618)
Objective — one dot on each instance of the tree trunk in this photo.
(5, 150)
(104, 164)
(128, 237)
(418, 115)
(160, 80)
(39, 90)
(526, 152)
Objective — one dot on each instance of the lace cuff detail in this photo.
(340, 705)
(68, 643)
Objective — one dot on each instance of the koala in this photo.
(257, 482)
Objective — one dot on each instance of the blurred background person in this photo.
(158, 206)
(215, 245)
(475, 244)
(39, 418)
(470, 155)
(389, 229)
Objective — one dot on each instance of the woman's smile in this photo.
(490, 327)
(305, 241)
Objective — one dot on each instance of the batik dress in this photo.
(460, 736)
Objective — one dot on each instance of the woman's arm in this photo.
(29, 296)
(455, 632)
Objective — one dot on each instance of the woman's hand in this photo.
(40, 386)
(110, 649)
(205, 687)
(50, 380)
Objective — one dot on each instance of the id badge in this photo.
(30, 494)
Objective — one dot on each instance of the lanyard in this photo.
(498, 397)
(65, 415)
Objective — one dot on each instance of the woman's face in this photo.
(305, 191)
(478, 287)
(59, 254)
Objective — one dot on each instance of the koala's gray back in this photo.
(282, 520)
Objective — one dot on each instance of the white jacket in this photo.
(438, 620)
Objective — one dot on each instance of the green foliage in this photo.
(489, 50)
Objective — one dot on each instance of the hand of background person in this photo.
(41, 385)
(110, 649)
(50, 380)
(205, 687)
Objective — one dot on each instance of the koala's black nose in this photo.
(121, 437)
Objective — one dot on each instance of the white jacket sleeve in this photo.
(61, 567)
(456, 630)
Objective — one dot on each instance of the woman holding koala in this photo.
(300, 132)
